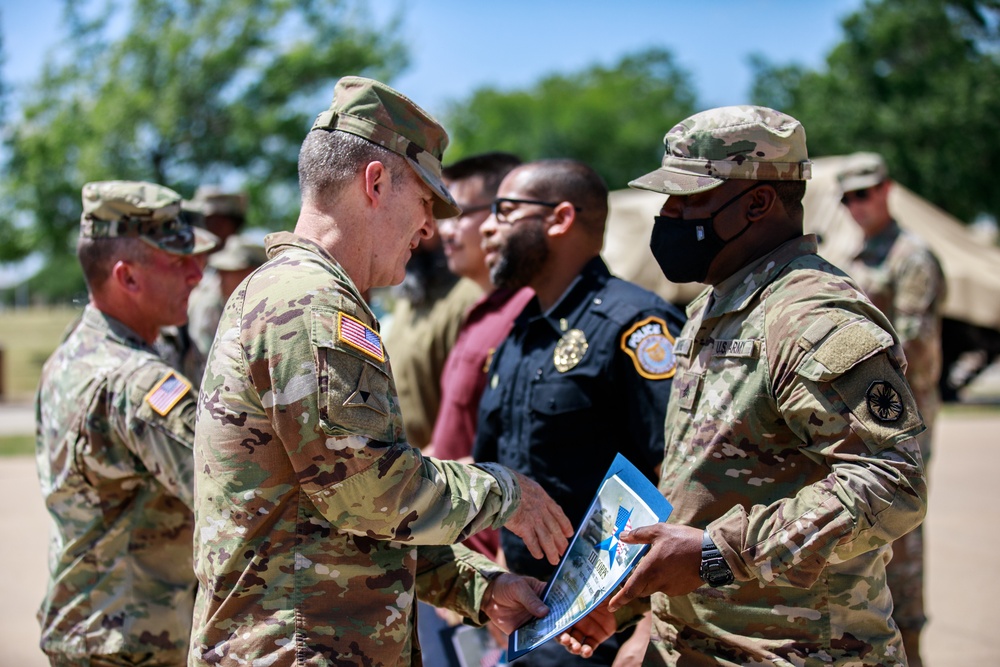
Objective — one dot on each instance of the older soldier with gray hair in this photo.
(318, 524)
(115, 432)
(791, 458)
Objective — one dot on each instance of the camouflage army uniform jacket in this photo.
(903, 278)
(310, 505)
(790, 436)
(115, 431)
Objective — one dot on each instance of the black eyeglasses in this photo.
(500, 212)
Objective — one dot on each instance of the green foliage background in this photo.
(222, 91)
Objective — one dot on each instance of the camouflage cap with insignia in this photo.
(147, 211)
(373, 110)
(862, 171)
(737, 142)
(238, 254)
(210, 200)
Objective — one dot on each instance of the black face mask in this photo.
(685, 248)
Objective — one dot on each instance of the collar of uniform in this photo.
(570, 303)
(877, 247)
(279, 242)
(112, 328)
(735, 292)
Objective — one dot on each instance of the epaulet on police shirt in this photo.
(166, 393)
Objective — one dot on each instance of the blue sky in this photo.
(457, 46)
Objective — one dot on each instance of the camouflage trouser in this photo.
(905, 572)
(168, 659)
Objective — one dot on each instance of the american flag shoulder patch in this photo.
(355, 333)
(167, 392)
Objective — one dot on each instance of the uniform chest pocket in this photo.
(557, 398)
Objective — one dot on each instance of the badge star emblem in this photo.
(364, 397)
(884, 402)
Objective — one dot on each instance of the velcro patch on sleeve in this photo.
(651, 347)
(167, 393)
(358, 335)
(843, 349)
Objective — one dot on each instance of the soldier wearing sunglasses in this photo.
(902, 277)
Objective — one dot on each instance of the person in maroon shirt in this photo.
(473, 182)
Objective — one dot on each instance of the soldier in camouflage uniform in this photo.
(317, 524)
(903, 278)
(115, 432)
(791, 455)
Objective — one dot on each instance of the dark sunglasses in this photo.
(856, 195)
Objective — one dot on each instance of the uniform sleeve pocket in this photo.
(354, 392)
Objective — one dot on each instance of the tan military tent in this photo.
(971, 268)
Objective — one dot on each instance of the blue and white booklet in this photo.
(596, 561)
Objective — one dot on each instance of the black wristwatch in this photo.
(714, 569)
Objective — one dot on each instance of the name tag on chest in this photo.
(735, 348)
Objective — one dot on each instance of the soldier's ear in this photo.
(762, 201)
(123, 276)
(376, 182)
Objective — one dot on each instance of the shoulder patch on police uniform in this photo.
(167, 392)
(651, 347)
(355, 333)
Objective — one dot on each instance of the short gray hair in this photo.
(98, 256)
(328, 161)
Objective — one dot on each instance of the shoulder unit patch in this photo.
(167, 392)
(651, 347)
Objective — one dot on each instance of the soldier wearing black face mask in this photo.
(790, 455)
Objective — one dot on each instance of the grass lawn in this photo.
(17, 445)
(28, 336)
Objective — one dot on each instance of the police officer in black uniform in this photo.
(586, 370)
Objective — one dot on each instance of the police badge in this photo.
(570, 350)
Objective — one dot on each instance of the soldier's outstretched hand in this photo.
(670, 566)
(540, 522)
(512, 600)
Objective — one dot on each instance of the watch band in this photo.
(714, 570)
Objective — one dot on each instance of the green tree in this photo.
(915, 80)
(608, 117)
(189, 92)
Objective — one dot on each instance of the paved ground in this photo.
(963, 587)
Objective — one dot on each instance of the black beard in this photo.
(520, 259)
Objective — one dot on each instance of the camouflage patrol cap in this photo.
(737, 142)
(237, 254)
(141, 210)
(861, 171)
(210, 200)
(376, 112)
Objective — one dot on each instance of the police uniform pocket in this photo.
(355, 394)
(556, 398)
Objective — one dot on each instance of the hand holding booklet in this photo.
(596, 561)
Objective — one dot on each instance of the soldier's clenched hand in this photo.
(511, 600)
(540, 522)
